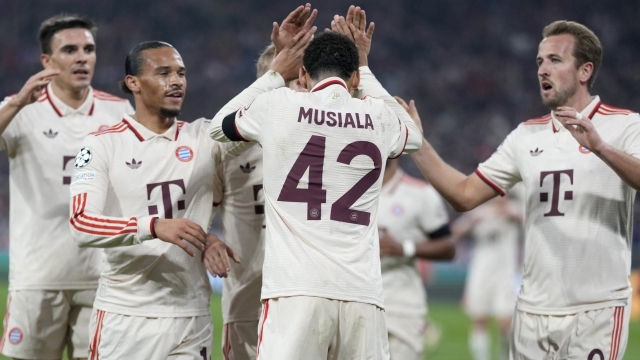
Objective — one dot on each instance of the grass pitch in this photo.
(453, 322)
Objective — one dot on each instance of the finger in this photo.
(412, 106)
(357, 17)
(327, 30)
(350, 13)
(401, 102)
(275, 31)
(303, 41)
(46, 73)
(233, 255)
(199, 232)
(302, 16)
(293, 15)
(193, 241)
(221, 262)
(372, 27)
(183, 246)
(363, 21)
(342, 24)
(311, 19)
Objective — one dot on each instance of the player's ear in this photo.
(132, 83)
(354, 80)
(44, 59)
(302, 77)
(585, 72)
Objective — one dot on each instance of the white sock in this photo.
(479, 344)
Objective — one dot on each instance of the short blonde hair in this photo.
(265, 59)
(587, 47)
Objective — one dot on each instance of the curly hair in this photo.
(331, 54)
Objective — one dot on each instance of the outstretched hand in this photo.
(32, 89)
(581, 128)
(412, 110)
(289, 61)
(355, 27)
(216, 257)
(300, 19)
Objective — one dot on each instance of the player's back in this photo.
(324, 153)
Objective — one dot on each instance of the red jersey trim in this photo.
(153, 228)
(178, 127)
(97, 335)
(329, 83)
(101, 95)
(46, 90)
(6, 323)
(134, 130)
(265, 313)
(120, 127)
(490, 183)
(97, 226)
(616, 333)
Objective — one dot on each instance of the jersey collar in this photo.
(63, 109)
(144, 134)
(587, 112)
(334, 80)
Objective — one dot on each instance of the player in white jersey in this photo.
(238, 196)
(580, 169)
(490, 289)
(321, 272)
(52, 282)
(143, 190)
(413, 223)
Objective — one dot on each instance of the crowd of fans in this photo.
(470, 65)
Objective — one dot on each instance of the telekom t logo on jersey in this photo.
(165, 188)
(555, 195)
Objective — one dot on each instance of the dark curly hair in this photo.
(331, 54)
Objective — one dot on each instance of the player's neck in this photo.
(70, 97)
(580, 100)
(153, 120)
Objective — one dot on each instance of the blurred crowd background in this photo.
(469, 64)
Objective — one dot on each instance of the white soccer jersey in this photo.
(239, 196)
(579, 212)
(41, 142)
(324, 154)
(127, 176)
(410, 210)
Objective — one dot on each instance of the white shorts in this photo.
(313, 328)
(591, 335)
(122, 337)
(39, 323)
(406, 336)
(240, 340)
(483, 298)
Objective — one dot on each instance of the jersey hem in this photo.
(571, 309)
(364, 300)
(49, 286)
(169, 313)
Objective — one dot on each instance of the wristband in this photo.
(409, 248)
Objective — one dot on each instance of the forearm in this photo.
(92, 230)
(7, 113)
(449, 182)
(442, 249)
(370, 86)
(269, 81)
(625, 165)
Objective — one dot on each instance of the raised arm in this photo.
(285, 67)
(461, 191)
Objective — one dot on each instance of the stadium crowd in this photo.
(470, 66)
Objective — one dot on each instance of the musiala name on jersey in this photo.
(331, 119)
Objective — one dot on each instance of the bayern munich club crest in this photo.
(583, 149)
(184, 153)
(15, 336)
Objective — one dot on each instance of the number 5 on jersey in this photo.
(312, 158)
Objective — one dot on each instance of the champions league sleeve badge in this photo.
(83, 158)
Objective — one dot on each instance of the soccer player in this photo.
(143, 190)
(324, 154)
(413, 223)
(580, 169)
(52, 283)
(491, 280)
(239, 198)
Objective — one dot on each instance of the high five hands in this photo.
(355, 27)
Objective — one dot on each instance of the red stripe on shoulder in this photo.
(490, 183)
(120, 127)
(540, 120)
(101, 95)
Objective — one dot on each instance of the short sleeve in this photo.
(251, 117)
(397, 133)
(10, 138)
(631, 137)
(434, 213)
(501, 171)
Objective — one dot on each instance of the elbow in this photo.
(462, 206)
(451, 251)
